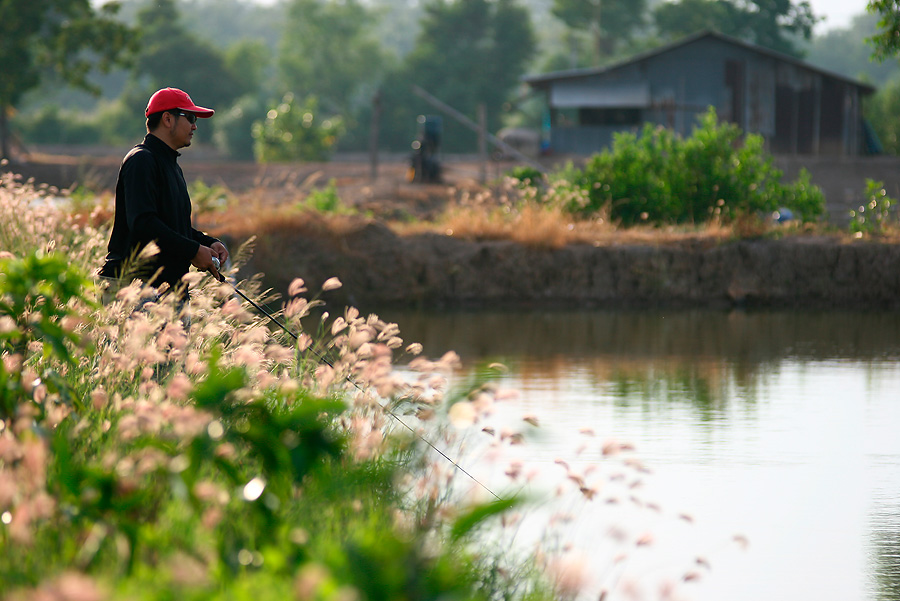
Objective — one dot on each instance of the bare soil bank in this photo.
(379, 268)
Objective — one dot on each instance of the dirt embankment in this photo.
(380, 268)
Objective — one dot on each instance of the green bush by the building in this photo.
(660, 177)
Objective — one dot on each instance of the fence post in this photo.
(373, 135)
(482, 141)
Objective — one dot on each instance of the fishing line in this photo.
(324, 359)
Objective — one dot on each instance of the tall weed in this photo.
(150, 451)
(874, 216)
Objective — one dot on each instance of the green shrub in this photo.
(326, 201)
(659, 177)
(875, 215)
(206, 198)
(526, 174)
(295, 131)
(35, 293)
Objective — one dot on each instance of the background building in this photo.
(798, 108)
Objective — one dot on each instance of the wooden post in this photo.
(482, 141)
(373, 135)
(795, 123)
(817, 115)
(4, 135)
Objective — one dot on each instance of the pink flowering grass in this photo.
(152, 452)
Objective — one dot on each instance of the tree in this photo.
(221, 22)
(882, 111)
(678, 19)
(846, 51)
(774, 24)
(397, 24)
(173, 56)
(886, 42)
(328, 50)
(249, 60)
(468, 52)
(66, 37)
(610, 22)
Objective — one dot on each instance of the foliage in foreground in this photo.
(145, 457)
(152, 454)
(658, 177)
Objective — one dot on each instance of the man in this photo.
(153, 205)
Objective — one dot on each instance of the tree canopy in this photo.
(328, 50)
(241, 57)
(610, 22)
(65, 37)
(845, 51)
(886, 42)
(468, 52)
(775, 24)
(171, 55)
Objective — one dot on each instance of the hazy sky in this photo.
(837, 12)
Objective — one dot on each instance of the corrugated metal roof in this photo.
(541, 81)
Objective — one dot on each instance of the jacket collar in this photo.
(157, 145)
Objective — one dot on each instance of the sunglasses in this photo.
(191, 117)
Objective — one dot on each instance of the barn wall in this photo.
(797, 110)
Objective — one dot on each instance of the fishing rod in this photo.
(324, 359)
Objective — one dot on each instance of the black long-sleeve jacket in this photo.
(152, 204)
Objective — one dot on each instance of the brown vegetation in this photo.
(463, 243)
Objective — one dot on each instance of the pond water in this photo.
(780, 430)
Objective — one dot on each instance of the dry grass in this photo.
(241, 223)
(264, 197)
(531, 225)
(477, 215)
(467, 210)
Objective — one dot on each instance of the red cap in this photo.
(169, 99)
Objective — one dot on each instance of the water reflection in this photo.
(803, 403)
(746, 340)
(885, 527)
(700, 357)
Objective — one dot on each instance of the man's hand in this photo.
(203, 260)
(219, 251)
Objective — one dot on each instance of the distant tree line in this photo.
(300, 79)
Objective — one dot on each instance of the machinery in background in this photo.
(425, 167)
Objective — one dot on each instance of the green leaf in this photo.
(467, 522)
